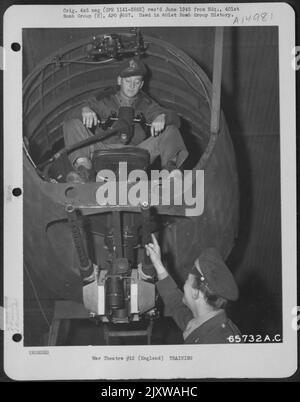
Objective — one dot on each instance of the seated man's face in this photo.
(130, 86)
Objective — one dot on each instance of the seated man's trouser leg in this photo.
(168, 145)
(75, 131)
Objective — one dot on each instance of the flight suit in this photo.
(168, 144)
(217, 329)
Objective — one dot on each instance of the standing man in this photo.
(199, 310)
(165, 140)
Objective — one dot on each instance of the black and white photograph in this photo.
(151, 194)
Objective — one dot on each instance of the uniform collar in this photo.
(194, 323)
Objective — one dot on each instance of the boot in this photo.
(83, 172)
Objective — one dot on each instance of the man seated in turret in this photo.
(165, 139)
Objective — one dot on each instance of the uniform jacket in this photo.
(215, 330)
(142, 104)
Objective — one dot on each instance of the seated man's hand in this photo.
(158, 125)
(89, 117)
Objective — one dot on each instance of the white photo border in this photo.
(209, 361)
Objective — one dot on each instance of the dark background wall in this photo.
(250, 100)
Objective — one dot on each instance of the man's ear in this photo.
(119, 80)
(142, 83)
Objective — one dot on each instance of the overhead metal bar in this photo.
(217, 80)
